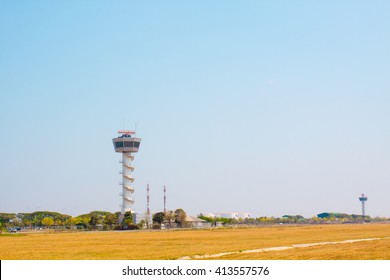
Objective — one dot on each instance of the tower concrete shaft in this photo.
(127, 180)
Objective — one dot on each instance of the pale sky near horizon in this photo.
(267, 107)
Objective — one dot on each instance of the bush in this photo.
(132, 227)
(129, 227)
(156, 226)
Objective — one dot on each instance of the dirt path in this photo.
(281, 248)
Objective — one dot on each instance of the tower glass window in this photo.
(128, 144)
(118, 144)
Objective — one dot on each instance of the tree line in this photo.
(170, 219)
(102, 220)
(95, 220)
(55, 220)
(295, 219)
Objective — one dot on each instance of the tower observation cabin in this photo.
(363, 200)
(126, 144)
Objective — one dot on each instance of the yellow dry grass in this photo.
(175, 244)
(365, 250)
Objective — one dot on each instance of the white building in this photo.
(228, 215)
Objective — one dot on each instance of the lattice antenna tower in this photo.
(165, 199)
(147, 200)
(147, 206)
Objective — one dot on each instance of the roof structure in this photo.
(194, 219)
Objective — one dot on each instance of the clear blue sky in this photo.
(268, 107)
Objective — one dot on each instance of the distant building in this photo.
(209, 215)
(228, 215)
(194, 222)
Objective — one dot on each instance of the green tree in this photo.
(158, 217)
(47, 221)
(169, 218)
(17, 222)
(141, 224)
(2, 228)
(180, 217)
(85, 221)
(95, 220)
(128, 218)
(128, 221)
(59, 222)
(110, 220)
(72, 222)
(27, 223)
(208, 219)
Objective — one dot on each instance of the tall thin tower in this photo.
(126, 144)
(363, 200)
(165, 199)
(147, 200)
(147, 217)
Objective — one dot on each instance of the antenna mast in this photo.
(165, 199)
(147, 207)
(147, 200)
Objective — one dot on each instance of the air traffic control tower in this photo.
(126, 144)
(363, 200)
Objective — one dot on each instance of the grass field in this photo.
(176, 244)
(370, 250)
